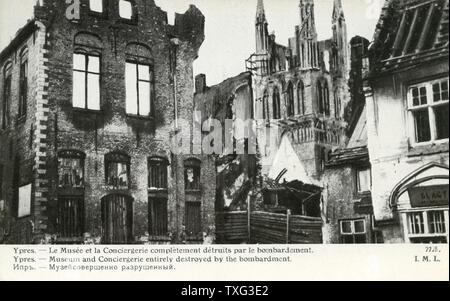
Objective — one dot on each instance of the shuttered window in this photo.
(158, 216)
(117, 219)
(70, 220)
(193, 218)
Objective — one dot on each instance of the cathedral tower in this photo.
(307, 36)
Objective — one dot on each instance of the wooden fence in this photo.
(267, 228)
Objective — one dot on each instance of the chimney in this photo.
(200, 83)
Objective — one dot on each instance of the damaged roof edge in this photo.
(19, 38)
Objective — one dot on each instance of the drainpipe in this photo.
(173, 68)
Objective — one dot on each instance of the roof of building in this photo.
(356, 151)
(409, 33)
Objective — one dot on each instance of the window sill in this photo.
(139, 117)
(99, 15)
(429, 148)
(132, 21)
(117, 189)
(87, 111)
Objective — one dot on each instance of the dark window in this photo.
(117, 219)
(117, 170)
(192, 170)
(1, 182)
(71, 169)
(301, 98)
(290, 101)
(158, 216)
(23, 87)
(6, 98)
(193, 218)
(353, 231)
(157, 173)
(320, 98)
(70, 220)
(265, 105)
(337, 106)
(428, 104)
(86, 81)
(326, 98)
(276, 104)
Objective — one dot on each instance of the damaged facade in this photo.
(406, 92)
(89, 107)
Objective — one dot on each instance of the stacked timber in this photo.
(232, 227)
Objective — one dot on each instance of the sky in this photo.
(230, 27)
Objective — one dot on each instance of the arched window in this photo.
(23, 88)
(157, 173)
(193, 206)
(7, 75)
(70, 206)
(139, 80)
(276, 104)
(265, 105)
(117, 219)
(301, 98)
(192, 171)
(71, 169)
(337, 106)
(290, 100)
(86, 71)
(158, 196)
(117, 170)
(326, 98)
(320, 101)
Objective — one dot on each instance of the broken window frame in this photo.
(276, 100)
(301, 98)
(74, 156)
(421, 231)
(158, 173)
(88, 105)
(112, 162)
(23, 84)
(430, 107)
(290, 110)
(7, 89)
(353, 235)
(195, 166)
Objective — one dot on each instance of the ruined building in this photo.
(300, 92)
(407, 88)
(90, 101)
(301, 89)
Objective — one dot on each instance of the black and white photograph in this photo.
(154, 123)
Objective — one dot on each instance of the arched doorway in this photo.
(421, 199)
(117, 219)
